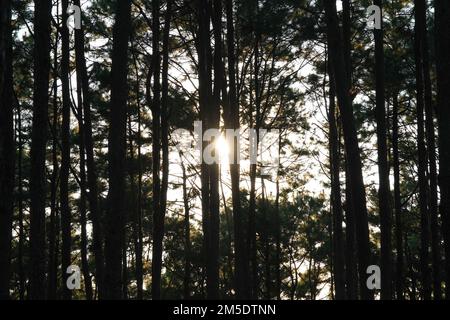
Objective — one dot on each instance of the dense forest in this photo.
(336, 187)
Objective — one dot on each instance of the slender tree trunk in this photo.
(431, 142)
(422, 153)
(278, 261)
(205, 98)
(187, 236)
(442, 36)
(65, 155)
(97, 232)
(158, 219)
(138, 216)
(351, 263)
(162, 140)
(252, 247)
(232, 122)
(336, 204)
(383, 167)
(39, 136)
(54, 212)
(351, 145)
(7, 151)
(83, 192)
(399, 278)
(115, 219)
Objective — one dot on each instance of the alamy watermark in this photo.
(262, 146)
(374, 20)
(73, 281)
(74, 19)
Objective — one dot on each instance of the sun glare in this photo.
(223, 149)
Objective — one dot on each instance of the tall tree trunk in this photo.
(206, 101)
(83, 192)
(213, 273)
(442, 36)
(97, 232)
(383, 166)
(399, 274)
(137, 223)
(336, 204)
(187, 235)
(158, 219)
(115, 218)
(351, 263)
(431, 142)
(54, 211)
(7, 152)
(422, 152)
(65, 155)
(161, 139)
(232, 122)
(252, 247)
(351, 145)
(39, 135)
(278, 261)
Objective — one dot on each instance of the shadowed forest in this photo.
(102, 197)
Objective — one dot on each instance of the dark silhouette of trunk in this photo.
(255, 123)
(158, 219)
(351, 263)
(42, 31)
(65, 156)
(54, 214)
(83, 192)
(278, 261)
(442, 35)
(208, 174)
(383, 166)
(228, 266)
(336, 203)
(7, 151)
(115, 218)
(232, 122)
(399, 273)
(137, 219)
(351, 145)
(161, 142)
(431, 142)
(422, 152)
(187, 235)
(95, 216)
(213, 256)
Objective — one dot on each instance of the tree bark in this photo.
(187, 236)
(422, 152)
(83, 193)
(65, 155)
(383, 166)
(351, 145)
(336, 203)
(158, 219)
(97, 230)
(232, 122)
(7, 151)
(431, 143)
(39, 137)
(399, 274)
(115, 219)
(442, 36)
